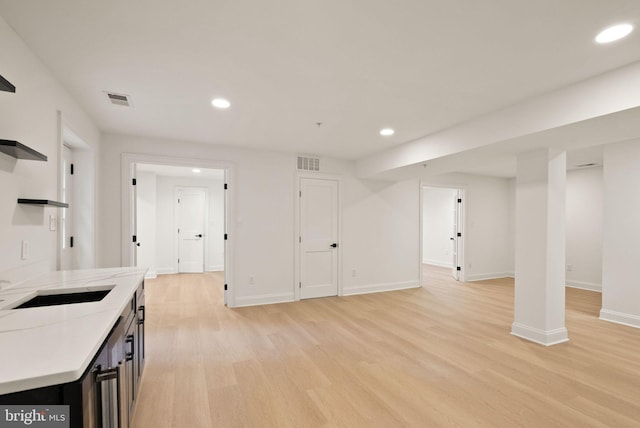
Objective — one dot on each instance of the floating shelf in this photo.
(43, 202)
(20, 151)
(6, 86)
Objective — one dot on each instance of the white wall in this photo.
(30, 116)
(146, 221)
(166, 254)
(437, 225)
(621, 234)
(584, 228)
(380, 221)
(380, 235)
(488, 240)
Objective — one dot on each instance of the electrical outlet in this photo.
(353, 273)
(53, 223)
(251, 281)
(569, 268)
(24, 250)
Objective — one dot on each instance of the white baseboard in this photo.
(264, 299)
(437, 263)
(585, 285)
(483, 276)
(151, 274)
(542, 337)
(215, 268)
(165, 271)
(620, 318)
(379, 288)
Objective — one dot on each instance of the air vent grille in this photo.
(306, 163)
(119, 99)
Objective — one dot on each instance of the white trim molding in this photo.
(541, 337)
(379, 288)
(591, 286)
(620, 318)
(483, 276)
(264, 299)
(215, 268)
(437, 263)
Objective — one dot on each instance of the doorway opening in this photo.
(441, 231)
(177, 214)
(75, 225)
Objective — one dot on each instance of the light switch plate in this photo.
(53, 223)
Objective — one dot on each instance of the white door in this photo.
(66, 214)
(457, 235)
(190, 216)
(318, 237)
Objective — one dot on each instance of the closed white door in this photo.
(66, 214)
(318, 238)
(190, 213)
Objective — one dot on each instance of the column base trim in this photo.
(541, 337)
(620, 318)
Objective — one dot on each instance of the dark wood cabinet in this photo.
(105, 395)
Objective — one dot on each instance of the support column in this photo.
(540, 247)
(621, 234)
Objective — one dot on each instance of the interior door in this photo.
(66, 215)
(191, 220)
(457, 235)
(318, 237)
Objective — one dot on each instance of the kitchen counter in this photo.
(51, 345)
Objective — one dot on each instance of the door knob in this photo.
(199, 235)
(334, 245)
(138, 244)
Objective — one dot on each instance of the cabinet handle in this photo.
(141, 309)
(109, 399)
(129, 355)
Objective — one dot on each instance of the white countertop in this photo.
(55, 344)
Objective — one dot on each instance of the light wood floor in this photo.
(437, 356)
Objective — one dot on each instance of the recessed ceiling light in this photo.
(196, 170)
(220, 103)
(613, 33)
(387, 132)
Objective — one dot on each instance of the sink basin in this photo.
(49, 298)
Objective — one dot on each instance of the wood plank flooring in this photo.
(438, 356)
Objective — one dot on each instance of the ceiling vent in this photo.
(119, 99)
(306, 163)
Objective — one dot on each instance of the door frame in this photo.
(84, 194)
(128, 166)
(205, 249)
(462, 247)
(321, 176)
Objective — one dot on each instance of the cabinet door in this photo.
(129, 364)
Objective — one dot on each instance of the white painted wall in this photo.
(146, 221)
(31, 116)
(380, 221)
(584, 228)
(437, 225)
(621, 234)
(166, 254)
(380, 235)
(488, 240)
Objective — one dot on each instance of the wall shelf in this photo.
(6, 86)
(20, 151)
(43, 202)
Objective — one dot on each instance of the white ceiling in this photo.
(418, 66)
